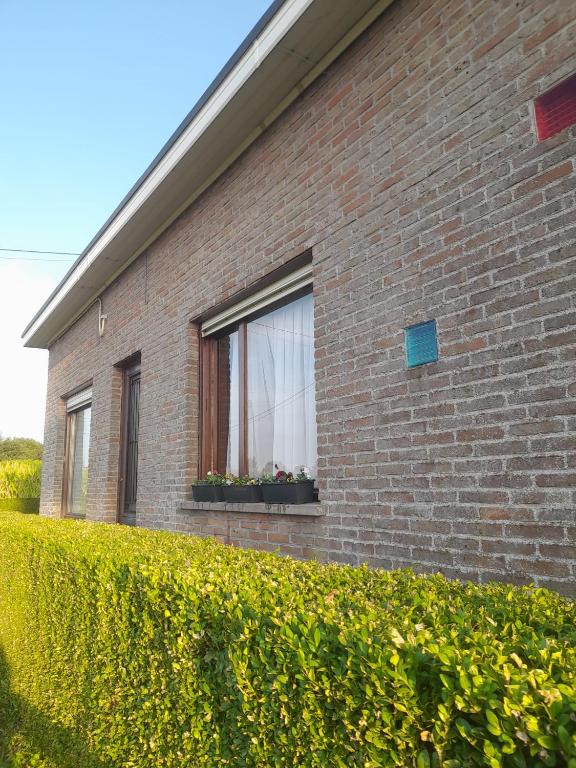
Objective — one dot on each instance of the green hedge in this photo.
(140, 649)
(20, 479)
(27, 506)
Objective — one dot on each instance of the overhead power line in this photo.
(28, 258)
(30, 250)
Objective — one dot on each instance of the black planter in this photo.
(288, 493)
(207, 493)
(242, 494)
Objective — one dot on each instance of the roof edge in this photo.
(210, 91)
(40, 335)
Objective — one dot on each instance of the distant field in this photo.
(20, 485)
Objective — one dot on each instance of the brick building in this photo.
(357, 169)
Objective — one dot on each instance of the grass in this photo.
(20, 479)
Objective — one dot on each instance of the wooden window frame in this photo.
(211, 402)
(211, 385)
(69, 435)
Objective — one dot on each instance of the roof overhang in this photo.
(289, 47)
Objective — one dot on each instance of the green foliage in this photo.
(140, 649)
(20, 479)
(212, 478)
(27, 506)
(240, 480)
(19, 448)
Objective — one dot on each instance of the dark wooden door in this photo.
(129, 454)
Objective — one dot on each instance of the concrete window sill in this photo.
(301, 510)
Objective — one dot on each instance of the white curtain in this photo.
(281, 389)
(233, 388)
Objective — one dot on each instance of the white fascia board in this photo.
(264, 44)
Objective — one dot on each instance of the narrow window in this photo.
(79, 414)
(128, 486)
(259, 400)
(228, 405)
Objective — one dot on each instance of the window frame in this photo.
(211, 386)
(130, 371)
(74, 405)
(211, 400)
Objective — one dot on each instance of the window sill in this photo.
(301, 510)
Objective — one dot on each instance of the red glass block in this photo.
(556, 109)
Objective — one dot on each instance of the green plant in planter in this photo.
(283, 477)
(212, 478)
(242, 489)
(287, 488)
(209, 488)
(240, 481)
(302, 476)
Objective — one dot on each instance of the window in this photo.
(259, 400)
(79, 413)
(128, 485)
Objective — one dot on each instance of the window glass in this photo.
(131, 430)
(281, 414)
(229, 402)
(78, 461)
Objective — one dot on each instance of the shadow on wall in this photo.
(40, 736)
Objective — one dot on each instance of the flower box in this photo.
(205, 492)
(242, 494)
(297, 492)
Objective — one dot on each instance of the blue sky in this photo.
(89, 93)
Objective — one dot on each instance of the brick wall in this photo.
(412, 170)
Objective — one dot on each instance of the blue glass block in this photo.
(421, 344)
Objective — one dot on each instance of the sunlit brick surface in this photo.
(413, 171)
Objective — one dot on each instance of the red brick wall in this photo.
(412, 169)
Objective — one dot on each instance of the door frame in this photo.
(129, 372)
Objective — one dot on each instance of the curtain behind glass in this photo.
(79, 461)
(281, 389)
(229, 402)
